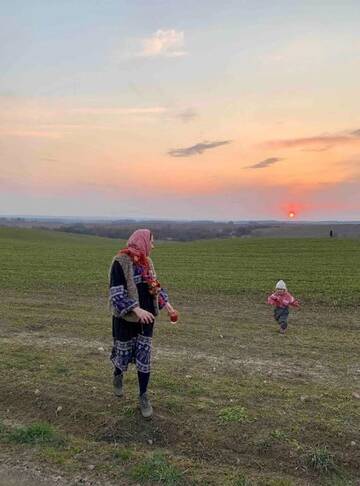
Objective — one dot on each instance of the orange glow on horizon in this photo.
(293, 209)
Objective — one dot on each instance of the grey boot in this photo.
(145, 406)
(118, 385)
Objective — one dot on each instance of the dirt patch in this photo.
(25, 473)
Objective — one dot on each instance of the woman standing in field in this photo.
(135, 299)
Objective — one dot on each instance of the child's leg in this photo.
(283, 320)
(283, 324)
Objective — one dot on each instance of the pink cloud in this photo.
(327, 140)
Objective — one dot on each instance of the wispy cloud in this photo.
(30, 134)
(186, 115)
(350, 137)
(264, 163)
(320, 149)
(164, 43)
(152, 110)
(197, 149)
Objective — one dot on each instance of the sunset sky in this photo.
(241, 109)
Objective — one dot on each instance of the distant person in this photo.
(331, 233)
(135, 299)
(281, 299)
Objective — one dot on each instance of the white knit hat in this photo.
(281, 285)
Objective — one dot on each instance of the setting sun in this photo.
(291, 214)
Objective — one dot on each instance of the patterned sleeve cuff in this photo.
(163, 298)
(120, 300)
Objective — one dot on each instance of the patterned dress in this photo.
(132, 340)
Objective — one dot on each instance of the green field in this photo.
(234, 402)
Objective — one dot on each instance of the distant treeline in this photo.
(191, 230)
(180, 231)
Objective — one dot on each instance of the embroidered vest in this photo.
(128, 269)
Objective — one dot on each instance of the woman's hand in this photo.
(173, 313)
(144, 316)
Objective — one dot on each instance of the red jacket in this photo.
(282, 299)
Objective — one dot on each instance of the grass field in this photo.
(234, 402)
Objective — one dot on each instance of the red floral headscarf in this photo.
(139, 247)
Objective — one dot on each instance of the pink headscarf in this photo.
(139, 247)
(141, 240)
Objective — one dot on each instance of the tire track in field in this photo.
(270, 368)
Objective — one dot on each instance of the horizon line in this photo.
(163, 219)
